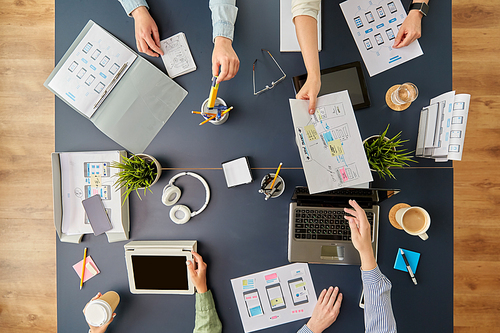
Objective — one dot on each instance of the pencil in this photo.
(276, 175)
(198, 112)
(211, 118)
(83, 267)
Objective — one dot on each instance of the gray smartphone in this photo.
(96, 214)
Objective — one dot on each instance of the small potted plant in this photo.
(140, 171)
(384, 153)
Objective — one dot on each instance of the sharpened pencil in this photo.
(83, 267)
(276, 175)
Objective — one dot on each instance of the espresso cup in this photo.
(414, 220)
(100, 311)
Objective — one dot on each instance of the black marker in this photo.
(408, 267)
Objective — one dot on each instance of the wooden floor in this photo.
(27, 237)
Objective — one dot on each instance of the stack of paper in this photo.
(441, 131)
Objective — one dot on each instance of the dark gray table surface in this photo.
(240, 233)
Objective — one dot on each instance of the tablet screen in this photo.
(344, 77)
(160, 272)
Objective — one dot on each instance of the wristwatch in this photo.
(420, 6)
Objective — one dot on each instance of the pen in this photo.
(408, 267)
(111, 84)
(198, 112)
(83, 267)
(276, 176)
(213, 92)
(213, 117)
(278, 184)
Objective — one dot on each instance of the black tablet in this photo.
(344, 77)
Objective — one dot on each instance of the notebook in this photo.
(318, 231)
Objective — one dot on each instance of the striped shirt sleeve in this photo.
(378, 309)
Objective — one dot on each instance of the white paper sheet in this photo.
(85, 174)
(458, 125)
(177, 57)
(374, 25)
(90, 68)
(329, 143)
(274, 297)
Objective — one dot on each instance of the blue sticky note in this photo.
(413, 258)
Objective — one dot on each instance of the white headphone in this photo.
(180, 214)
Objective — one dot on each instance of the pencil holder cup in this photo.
(218, 101)
(266, 188)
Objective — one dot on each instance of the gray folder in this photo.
(138, 106)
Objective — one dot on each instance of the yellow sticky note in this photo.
(311, 133)
(276, 301)
(95, 180)
(336, 147)
(298, 285)
(245, 282)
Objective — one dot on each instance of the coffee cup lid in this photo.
(97, 313)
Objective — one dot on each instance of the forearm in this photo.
(206, 319)
(307, 34)
(224, 14)
(378, 308)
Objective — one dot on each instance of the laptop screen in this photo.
(366, 198)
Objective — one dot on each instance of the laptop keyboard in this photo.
(324, 224)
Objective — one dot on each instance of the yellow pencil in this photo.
(213, 117)
(83, 267)
(276, 175)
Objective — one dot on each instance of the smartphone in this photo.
(252, 301)
(275, 296)
(97, 215)
(298, 291)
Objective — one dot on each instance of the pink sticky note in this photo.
(271, 276)
(344, 175)
(87, 274)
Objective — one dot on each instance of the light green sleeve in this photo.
(207, 320)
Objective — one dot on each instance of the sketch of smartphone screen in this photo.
(275, 296)
(298, 291)
(96, 168)
(252, 301)
(103, 191)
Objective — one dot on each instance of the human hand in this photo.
(326, 310)
(309, 91)
(224, 56)
(361, 235)
(145, 27)
(410, 30)
(101, 329)
(199, 274)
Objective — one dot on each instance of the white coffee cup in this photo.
(414, 220)
(100, 311)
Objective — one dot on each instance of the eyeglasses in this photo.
(272, 83)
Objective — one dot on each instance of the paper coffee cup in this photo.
(414, 220)
(100, 311)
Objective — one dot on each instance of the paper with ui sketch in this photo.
(374, 24)
(329, 143)
(177, 57)
(85, 174)
(89, 70)
(274, 297)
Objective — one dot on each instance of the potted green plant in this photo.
(384, 153)
(137, 172)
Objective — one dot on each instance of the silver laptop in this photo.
(318, 231)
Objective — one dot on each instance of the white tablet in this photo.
(159, 267)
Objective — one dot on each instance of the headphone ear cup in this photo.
(171, 194)
(180, 214)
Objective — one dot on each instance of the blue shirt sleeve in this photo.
(378, 309)
(130, 5)
(224, 14)
(304, 329)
